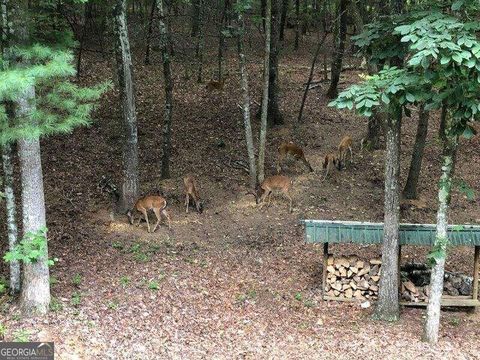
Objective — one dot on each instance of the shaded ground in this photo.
(234, 282)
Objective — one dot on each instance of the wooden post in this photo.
(325, 264)
(476, 268)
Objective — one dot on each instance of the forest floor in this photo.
(233, 282)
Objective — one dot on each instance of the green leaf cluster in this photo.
(30, 249)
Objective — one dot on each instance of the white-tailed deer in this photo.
(345, 144)
(273, 183)
(290, 149)
(330, 161)
(143, 205)
(191, 190)
(216, 84)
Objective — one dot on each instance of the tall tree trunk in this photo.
(339, 50)
(149, 34)
(450, 143)
(266, 83)
(130, 181)
(283, 19)
(87, 16)
(275, 116)
(200, 45)
(221, 42)
(410, 190)
(387, 306)
(297, 24)
(263, 13)
(167, 74)
(310, 76)
(196, 4)
(11, 216)
(246, 102)
(15, 281)
(35, 295)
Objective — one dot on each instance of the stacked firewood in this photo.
(350, 277)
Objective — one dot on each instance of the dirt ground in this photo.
(233, 282)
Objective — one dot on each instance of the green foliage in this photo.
(21, 335)
(3, 331)
(438, 251)
(153, 285)
(77, 280)
(55, 305)
(464, 188)
(76, 299)
(32, 247)
(124, 281)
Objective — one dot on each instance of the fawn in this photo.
(191, 190)
(345, 144)
(330, 161)
(273, 183)
(143, 205)
(286, 149)
(216, 84)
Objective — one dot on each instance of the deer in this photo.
(286, 149)
(268, 186)
(216, 84)
(151, 202)
(345, 144)
(330, 161)
(191, 190)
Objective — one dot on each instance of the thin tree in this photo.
(149, 34)
(196, 8)
(265, 96)
(130, 181)
(283, 18)
(246, 98)
(411, 186)
(297, 24)
(167, 74)
(339, 49)
(200, 45)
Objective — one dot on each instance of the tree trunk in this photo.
(297, 24)
(167, 74)
(283, 19)
(310, 76)
(339, 51)
(11, 216)
(196, 5)
(87, 16)
(149, 34)
(200, 45)
(35, 295)
(274, 117)
(266, 83)
(410, 190)
(130, 182)
(246, 103)
(450, 142)
(387, 307)
(221, 43)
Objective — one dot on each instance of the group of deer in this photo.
(282, 183)
(158, 205)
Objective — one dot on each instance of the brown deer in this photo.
(143, 205)
(345, 144)
(273, 183)
(216, 84)
(330, 161)
(290, 149)
(191, 190)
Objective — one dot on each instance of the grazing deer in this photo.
(143, 205)
(216, 84)
(330, 161)
(286, 149)
(191, 190)
(345, 144)
(269, 185)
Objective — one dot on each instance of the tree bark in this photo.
(167, 74)
(149, 34)
(130, 181)
(266, 84)
(221, 43)
(87, 16)
(35, 295)
(283, 19)
(410, 190)
(196, 5)
(310, 76)
(246, 103)
(200, 45)
(387, 306)
(339, 50)
(11, 216)
(450, 143)
(297, 24)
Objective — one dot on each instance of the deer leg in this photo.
(279, 168)
(262, 199)
(351, 154)
(326, 171)
(157, 215)
(289, 198)
(187, 201)
(144, 212)
(165, 213)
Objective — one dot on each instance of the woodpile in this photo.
(350, 277)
